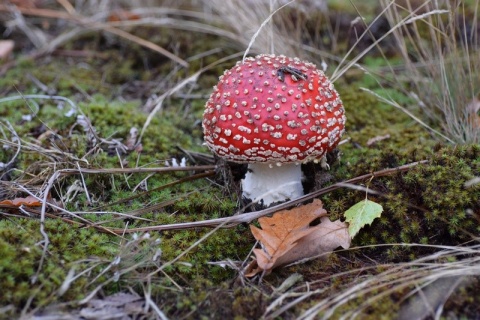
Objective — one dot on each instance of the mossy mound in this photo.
(428, 204)
(21, 251)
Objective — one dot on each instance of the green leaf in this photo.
(361, 214)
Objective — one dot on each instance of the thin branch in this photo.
(239, 217)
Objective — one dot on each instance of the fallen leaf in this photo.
(29, 201)
(287, 237)
(326, 237)
(361, 214)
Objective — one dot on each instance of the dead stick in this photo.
(64, 172)
(238, 218)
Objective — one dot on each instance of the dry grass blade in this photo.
(413, 274)
(64, 172)
(442, 61)
(158, 103)
(263, 26)
(246, 24)
(346, 64)
(447, 265)
(406, 111)
(240, 217)
(14, 141)
(88, 25)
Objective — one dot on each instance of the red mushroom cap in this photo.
(273, 109)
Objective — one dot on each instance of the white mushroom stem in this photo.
(272, 183)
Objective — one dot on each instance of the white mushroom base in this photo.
(272, 183)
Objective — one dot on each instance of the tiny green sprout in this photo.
(361, 214)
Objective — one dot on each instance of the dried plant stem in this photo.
(252, 41)
(46, 240)
(238, 218)
(158, 103)
(57, 174)
(66, 172)
(88, 23)
(16, 139)
(228, 222)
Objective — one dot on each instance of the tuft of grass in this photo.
(426, 284)
(439, 44)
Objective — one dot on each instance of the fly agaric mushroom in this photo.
(274, 113)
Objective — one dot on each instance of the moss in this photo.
(441, 220)
(422, 203)
(21, 248)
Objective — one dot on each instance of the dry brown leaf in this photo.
(29, 201)
(287, 237)
(326, 237)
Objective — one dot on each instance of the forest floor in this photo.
(108, 194)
